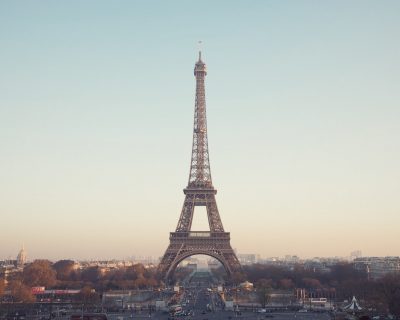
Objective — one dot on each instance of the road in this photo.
(226, 315)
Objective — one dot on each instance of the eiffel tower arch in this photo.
(200, 191)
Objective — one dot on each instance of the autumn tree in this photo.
(21, 292)
(39, 273)
(286, 284)
(2, 287)
(139, 269)
(88, 295)
(311, 283)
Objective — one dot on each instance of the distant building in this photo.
(377, 267)
(145, 260)
(7, 268)
(247, 285)
(192, 266)
(22, 257)
(213, 264)
(247, 258)
(355, 254)
(291, 259)
(322, 264)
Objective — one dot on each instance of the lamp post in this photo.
(51, 305)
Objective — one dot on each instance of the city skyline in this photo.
(96, 115)
(23, 255)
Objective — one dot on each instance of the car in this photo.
(62, 312)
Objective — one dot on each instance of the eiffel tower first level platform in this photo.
(185, 242)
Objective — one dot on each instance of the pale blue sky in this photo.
(96, 113)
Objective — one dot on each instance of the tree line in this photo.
(63, 275)
(342, 282)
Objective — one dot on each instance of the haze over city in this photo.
(96, 117)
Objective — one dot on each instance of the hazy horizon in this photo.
(96, 115)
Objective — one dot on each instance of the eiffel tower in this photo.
(200, 192)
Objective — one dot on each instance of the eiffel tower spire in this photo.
(200, 172)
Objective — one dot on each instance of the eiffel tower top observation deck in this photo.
(200, 171)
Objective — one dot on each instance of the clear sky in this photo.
(96, 114)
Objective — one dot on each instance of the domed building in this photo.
(22, 257)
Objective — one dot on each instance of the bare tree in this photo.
(390, 288)
(263, 287)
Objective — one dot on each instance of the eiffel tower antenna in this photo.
(199, 45)
(200, 192)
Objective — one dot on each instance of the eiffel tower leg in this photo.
(168, 259)
(233, 262)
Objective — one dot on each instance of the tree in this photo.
(65, 270)
(2, 287)
(286, 284)
(140, 283)
(21, 292)
(263, 287)
(152, 282)
(238, 277)
(139, 269)
(88, 295)
(91, 274)
(39, 273)
(130, 273)
(390, 288)
(344, 271)
(311, 283)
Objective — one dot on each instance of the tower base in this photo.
(185, 244)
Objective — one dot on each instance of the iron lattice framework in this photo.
(199, 192)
